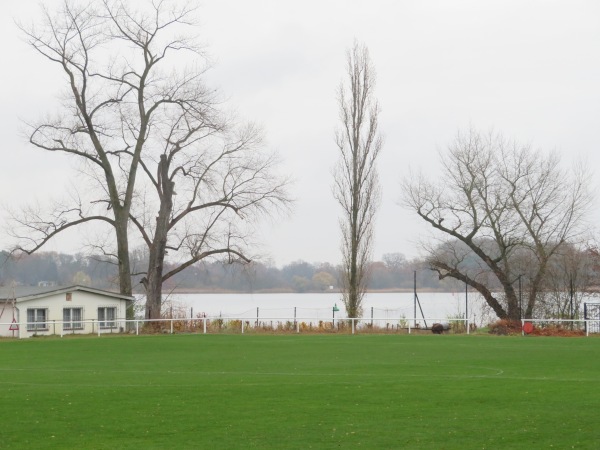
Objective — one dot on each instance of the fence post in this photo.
(171, 322)
(352, 325)
(409, 327)
(587, 328)
(522, 327)
(468, 327)
(242, 326)
(297, 326)
(204, 324)
(137, 328)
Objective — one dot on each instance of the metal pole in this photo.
(415, 297)
(466, 301)
(571, 301)
(467, 306)
(520, 300)
(257, 317)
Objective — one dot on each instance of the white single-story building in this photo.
(27, 311)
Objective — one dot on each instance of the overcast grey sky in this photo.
(529, 69)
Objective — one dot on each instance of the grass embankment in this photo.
(285, 392)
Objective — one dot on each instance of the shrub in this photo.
(505, 327)
(556, 330)
(234, 325)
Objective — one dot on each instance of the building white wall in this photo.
(6, 316)
(54, 303)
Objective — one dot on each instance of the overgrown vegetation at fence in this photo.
(221, 325)
(538, 328)
(299, 391)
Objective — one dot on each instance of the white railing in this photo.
(297, 324)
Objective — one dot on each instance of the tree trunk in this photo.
(153, 281)
(125, 286)
(158, 248)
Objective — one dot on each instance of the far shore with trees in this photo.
(394, 273)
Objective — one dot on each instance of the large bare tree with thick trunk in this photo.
(356, 186)
(502, 211)
(122, 68)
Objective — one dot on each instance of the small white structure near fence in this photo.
(28, 311)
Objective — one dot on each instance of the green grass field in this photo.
(306, 391)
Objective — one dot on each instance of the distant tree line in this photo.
(393, 272)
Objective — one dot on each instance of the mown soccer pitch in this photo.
(300, 391)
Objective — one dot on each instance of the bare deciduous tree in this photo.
(207, 185)
(119, 71)
(140, 116)
(356, 186)
(503, 211)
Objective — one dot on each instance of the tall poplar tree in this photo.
(356, 186)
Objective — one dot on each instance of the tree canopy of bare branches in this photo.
(356, 186)
(501, 211)
(119, 72)
(138, 116)
(205, 189)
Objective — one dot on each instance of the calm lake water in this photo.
(389, 306)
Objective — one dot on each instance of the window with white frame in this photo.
(106, 317)
(36, 319)
(72, 318)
